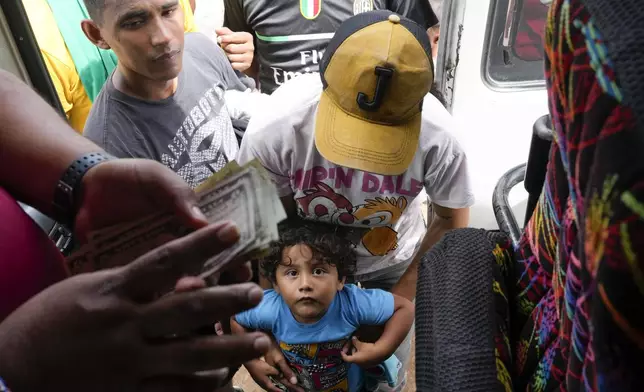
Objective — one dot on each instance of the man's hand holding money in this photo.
(129, 207)
(124, 190)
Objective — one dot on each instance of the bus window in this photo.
(515, 44)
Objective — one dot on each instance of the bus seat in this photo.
(464, 286)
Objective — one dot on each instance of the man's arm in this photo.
(235, 20)
(288, 202)
(36, 144)
(440, 221)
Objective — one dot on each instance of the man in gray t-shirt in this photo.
(165, 100)
(291, 35)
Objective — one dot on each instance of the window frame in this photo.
(500, 68)
(449, 45)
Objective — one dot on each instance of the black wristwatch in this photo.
(68, 188)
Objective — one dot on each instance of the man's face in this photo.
(146, 35)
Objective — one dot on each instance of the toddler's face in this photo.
(307, 285)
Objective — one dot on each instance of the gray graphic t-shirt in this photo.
(190, 132)
(291, 35)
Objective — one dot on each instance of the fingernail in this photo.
(197, 213)
(262, 344)
(228, 233)
(219, 39)
(255, 295)
(293, 380)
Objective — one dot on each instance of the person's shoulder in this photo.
(358, 304)
(435, 117)
(199, 46)
(194, 39)
(292, 104)
(102, 120)
(270, 305)
(96, 123)
(271, 296)
(350, 290)
(356, 295)
(438, 127)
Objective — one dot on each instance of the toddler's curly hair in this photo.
(323, 240)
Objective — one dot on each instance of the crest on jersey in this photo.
(360, 6)
(310, 9)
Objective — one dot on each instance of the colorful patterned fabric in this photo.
(578, 308)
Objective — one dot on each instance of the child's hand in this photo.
(365, 355)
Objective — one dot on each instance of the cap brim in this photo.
(356, 143)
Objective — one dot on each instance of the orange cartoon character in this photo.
(380, 214)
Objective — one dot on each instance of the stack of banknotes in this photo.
(244, 195)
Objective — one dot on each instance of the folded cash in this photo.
(244, 195)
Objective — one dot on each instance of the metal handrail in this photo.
(502, 211)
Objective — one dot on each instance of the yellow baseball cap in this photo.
(376, 71)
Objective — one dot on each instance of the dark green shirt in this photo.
(291, 35)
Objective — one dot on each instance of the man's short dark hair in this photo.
(323, 240)
(95, 9)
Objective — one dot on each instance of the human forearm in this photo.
(36, 144)
(406, 286)
(441, 220)
(288, 202)
(397, 328)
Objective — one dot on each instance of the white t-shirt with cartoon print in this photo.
(381, 214)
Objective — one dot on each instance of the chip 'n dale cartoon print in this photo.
(325, 205)
(375, 218)
(383, 213)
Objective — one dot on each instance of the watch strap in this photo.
(68, 187)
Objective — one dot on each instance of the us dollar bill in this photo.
(244, 195)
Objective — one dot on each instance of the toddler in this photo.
(313, 313)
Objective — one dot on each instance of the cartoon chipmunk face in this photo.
(322, 203)
(380, 212)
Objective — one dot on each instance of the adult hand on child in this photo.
(275, 358)
(260, 371)
(365, 355)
